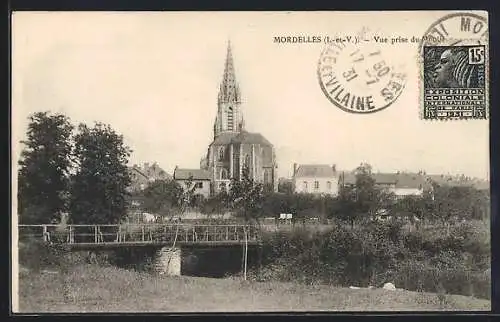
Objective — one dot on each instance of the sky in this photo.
(154, 77)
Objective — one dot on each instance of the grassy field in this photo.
(91, 288)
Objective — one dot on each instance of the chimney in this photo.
(294, 169)
(334, 168)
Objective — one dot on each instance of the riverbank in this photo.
(93, 288)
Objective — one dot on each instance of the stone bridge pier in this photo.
(168, 261)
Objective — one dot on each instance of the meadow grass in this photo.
(93, 288)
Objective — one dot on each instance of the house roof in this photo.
(458, 182)
(240, 137)
(399, 180)
(196, 174)
(410, 180)
(349, 178)
(315, 170)
(415, 180)
(385, 178)
(137, 170)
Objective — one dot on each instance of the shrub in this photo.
(441, 258)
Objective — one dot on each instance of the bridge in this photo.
(88, 237)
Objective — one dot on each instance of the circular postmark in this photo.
(457, 29)
(357, 78)
(453, 60)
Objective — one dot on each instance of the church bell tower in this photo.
(229, 117)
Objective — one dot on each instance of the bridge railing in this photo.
(137, 233)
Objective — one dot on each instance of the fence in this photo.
(137, 233)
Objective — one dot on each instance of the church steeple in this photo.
(229, 90)
(229, 117)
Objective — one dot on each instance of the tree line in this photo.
(252, 201)
(82, 171)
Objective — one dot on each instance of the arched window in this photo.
(305, 185)
(329, 185)
(266, 176)
(223, 174)
(221, 153)
(247, 161)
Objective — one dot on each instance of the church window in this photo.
(329, 185)
(266, 176)
(316, 184)
(223, 174)
(305, 185)
(247, 161)
(221, 153)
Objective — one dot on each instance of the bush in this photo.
(438, 259)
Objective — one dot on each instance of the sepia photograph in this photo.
(183, 162)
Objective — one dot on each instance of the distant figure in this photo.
(453, 69)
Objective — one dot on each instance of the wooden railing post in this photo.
(70, 235)
(45, 235)
(142, 232)
(227, 233)
(95, 234)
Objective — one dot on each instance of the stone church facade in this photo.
(233, 148)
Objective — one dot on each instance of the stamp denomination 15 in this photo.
(358, 79)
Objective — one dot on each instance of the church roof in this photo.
(315, 170)
(196, 174)
(241, 137)
(251, 138)
(224, 138)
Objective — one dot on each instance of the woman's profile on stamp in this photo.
(453, 70)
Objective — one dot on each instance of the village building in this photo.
(318, 179)
(199, 178)
(235, 150)
(141, 177)
(400, 184)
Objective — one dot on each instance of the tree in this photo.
(43, 177)
(347, 205)
(98, 192)
(247, 197)
(216, 205)
(162, 197)
(285, 186)
(368, 196)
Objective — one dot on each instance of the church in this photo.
(233, 148)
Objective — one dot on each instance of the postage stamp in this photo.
(357, 78)
(454, 65)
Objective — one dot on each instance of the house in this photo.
(402, 184)
(321, 179)
(141, 177)
(139, 180)
(458, 181)
(201, 179)
(154, 172)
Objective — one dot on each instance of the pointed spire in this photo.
(229, 91)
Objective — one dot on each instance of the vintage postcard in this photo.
(250, 161)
